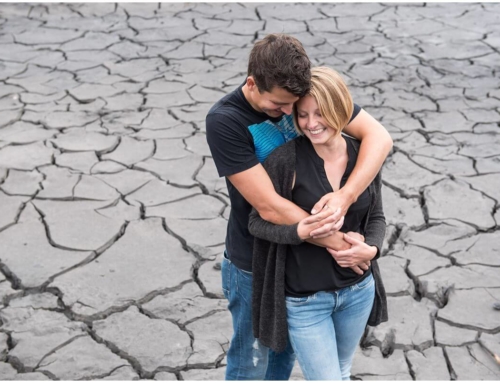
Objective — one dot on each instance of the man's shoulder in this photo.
(228, 105)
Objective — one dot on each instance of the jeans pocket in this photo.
(365, 283)
(297, 301)
(247, 275)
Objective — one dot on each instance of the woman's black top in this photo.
(310, 268)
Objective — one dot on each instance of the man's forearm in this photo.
(335, 241)
(287, 213)
(376, 143)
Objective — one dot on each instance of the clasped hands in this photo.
(327, 221)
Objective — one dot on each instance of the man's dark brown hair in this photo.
(279, 60)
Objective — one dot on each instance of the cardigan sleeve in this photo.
(280, 234)
(376, 225)
(280, 168)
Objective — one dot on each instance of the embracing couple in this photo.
(306, 223)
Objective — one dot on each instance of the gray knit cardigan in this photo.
(270, 249)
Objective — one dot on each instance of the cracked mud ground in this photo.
(112, 216)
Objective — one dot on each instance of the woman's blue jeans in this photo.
(247, 359)
(325, 329)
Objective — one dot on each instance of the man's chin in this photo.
(273, 113)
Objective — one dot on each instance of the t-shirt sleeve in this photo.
(355, 111)
(231, 147)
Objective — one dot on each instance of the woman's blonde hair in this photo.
(333, 98)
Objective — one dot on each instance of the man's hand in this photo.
(320, 225)
(360, 254)
(340, 199)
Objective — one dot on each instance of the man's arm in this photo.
(376, 143)
(256, 187)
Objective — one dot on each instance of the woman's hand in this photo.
(320, 225)
(360, 254)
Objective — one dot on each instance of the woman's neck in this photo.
(331, 150)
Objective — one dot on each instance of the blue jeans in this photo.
(247, 359)
(325, 329)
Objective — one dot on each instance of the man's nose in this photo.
(287, 109)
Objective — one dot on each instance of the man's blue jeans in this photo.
(325, 329)
(247, 359)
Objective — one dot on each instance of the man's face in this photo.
(273, 103)
(276, 102)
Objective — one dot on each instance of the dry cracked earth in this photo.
(112, 217)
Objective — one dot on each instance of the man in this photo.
(243, 128)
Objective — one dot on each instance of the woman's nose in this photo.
(311, 122)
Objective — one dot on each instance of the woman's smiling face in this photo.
(312, 123)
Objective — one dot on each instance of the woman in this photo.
(302, 290)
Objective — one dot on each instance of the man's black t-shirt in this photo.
(239, 138)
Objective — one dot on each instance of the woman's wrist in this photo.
(301, 232)
(373, 252)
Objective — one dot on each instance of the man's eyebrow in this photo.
(281, 103)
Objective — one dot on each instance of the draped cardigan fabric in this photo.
(270, 250)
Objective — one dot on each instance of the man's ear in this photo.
(251, 85)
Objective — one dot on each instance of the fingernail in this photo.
(313, 211)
